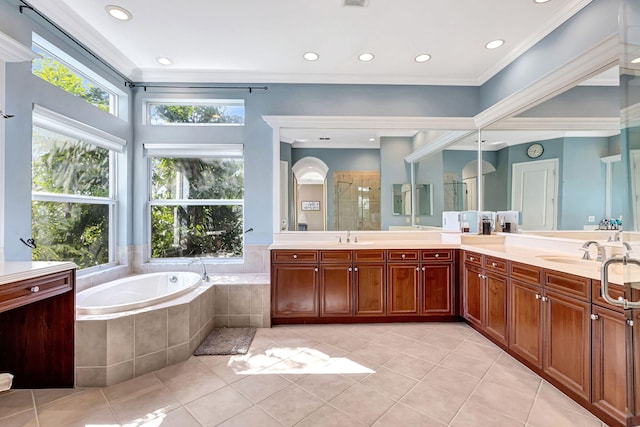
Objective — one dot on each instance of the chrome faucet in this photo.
(615, 237)
(602, 254)
(627, 246)
(348, 236)
(205, 275)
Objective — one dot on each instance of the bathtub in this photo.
(135, 292)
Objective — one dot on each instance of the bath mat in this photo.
(223, 341)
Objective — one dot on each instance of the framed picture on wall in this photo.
(310, 206)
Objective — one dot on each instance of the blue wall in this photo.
(394, 170)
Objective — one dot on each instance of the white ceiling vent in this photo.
(356, 3)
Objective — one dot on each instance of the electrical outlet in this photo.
(407, 220)
(592, 218)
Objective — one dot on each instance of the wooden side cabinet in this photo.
(37, 331)
(437, 289)
(294, 284)
(473, 295)
(525, 324)
(403, 282)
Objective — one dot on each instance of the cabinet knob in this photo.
(350, 269)
(538, 296)
(417, 268)
(35, 289)
(493, 264)
(355, 269)
(403, 256)
(472, 258)
(629, 322)
(545, 299)
(594, 317)
(423, 268)
(315, 269)
(295, 256)
(437, 255)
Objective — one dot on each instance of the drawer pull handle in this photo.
(35, 289)
(437, 255)
(493, 264)
(295, 256)
(594, 317)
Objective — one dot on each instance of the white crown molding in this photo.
(66, 18)
(630, 116)
(12, 50)
(600, 57)
(437, 145)
(155, 75)
(558, 123)
(370, 122)
(567, 12)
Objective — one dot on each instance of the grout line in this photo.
(534, 402)
(108, 404)
(35, 408)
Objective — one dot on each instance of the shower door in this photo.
(356, 201)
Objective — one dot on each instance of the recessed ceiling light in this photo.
(311, 56)
(540, 1)
(372, 139)
(423, 57)
(494, 44)
(366, 57)
(635, 61)
(118, 12)
(164, 61)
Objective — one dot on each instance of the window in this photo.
(56, 67)
(73, 196)
(207, 112)
(196, 200)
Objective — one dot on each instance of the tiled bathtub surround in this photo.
(114, 348)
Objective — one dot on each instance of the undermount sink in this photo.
(366, 242)
(570, 260)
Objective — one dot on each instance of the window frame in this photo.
(188, 151)
(146, 109)
(62, 125)
(116, 96)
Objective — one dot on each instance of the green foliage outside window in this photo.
(164, 114)
(184, 229)
(58, 74)
(69, 231)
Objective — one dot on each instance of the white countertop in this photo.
(15, 271)
(525, 249)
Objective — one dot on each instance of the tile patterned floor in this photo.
(340, 375)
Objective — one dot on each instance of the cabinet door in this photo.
(437, 290)
(294, 290)
(369, 280)
(472, 295)
(525, 321)
(495, 322)
(335, 290)
(609, 369)
(567, 341)
(402, 289)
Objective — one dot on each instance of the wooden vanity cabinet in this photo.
(336, 283)
(403, 282)
(294, 283)
(369, 276)
(437, 294)
(37, 331)
(525, 321)
(485, 291)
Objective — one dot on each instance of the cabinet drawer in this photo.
(403, 255)
(496, 265)
(25, 292)
(568, 284)
(528, 273)
(335, 256)
(290, 256)
(374, 255)
(473, 258)
(615, 291)
(439, 255)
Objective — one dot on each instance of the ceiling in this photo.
(258, 41)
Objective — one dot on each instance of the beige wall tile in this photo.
(239, 299)
(178, 353)
(221, 299)
(150, 332)
(256, 299)
(91, 377)
(120, 339)
(119, 372)
(150, 362)
(241, 321)
(221, 321)
(91, 343)
(194, 317)
(178, 324)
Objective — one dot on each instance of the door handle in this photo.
(604, 279)
(594, 317)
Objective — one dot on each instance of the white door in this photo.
(534, 192)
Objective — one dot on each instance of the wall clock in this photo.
(535, 150)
